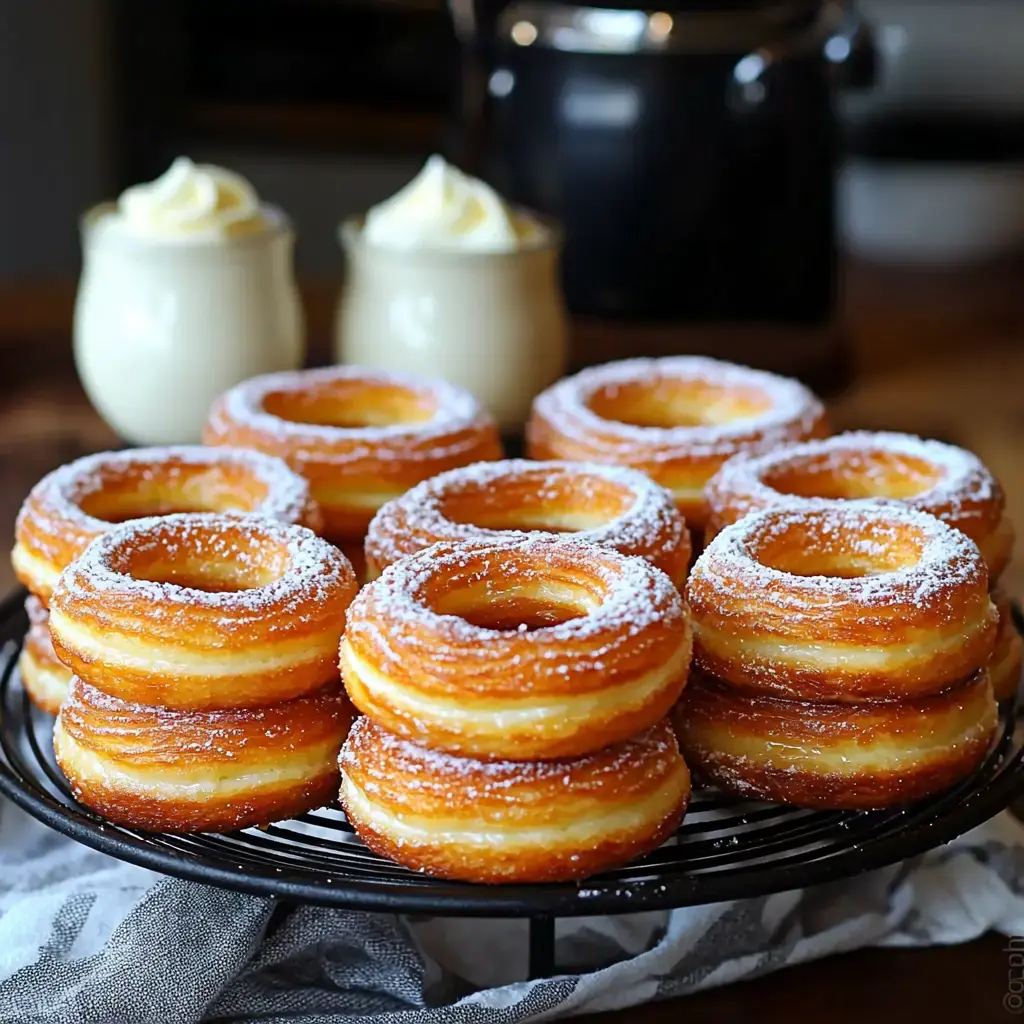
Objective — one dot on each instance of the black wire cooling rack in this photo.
(726, 849)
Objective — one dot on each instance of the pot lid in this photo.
(674, 26)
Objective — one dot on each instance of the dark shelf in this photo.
(313, 127)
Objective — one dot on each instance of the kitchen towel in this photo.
(85, 939)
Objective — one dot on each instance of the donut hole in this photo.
(668, 402)
(853, 475)
(873, 549)
(351, 404)
(519, 607)
(541, 502)
(164, 489)
(212, 563)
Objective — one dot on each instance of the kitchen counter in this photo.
(937, 354)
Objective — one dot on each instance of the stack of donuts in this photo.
(204, 694)
(521, 651)
(846, 642)
(516, 684)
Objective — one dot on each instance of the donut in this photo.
(524, 649)
(834, 755)
(200, 771)
(44, 678)
(676, 419)
(360, 437)
(73, 505)
(605, 505)
(842, 602)
(203, 611)
(505, 821)
(1008, 657)
(930, 476)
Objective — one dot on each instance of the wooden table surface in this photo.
(940, 355)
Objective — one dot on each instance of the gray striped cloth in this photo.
(85, 939)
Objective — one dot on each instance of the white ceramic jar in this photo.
(446, 280)
(493, 323)
(164, 322)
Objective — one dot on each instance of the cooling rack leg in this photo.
(542, 947)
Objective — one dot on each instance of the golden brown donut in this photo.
(606, 505)
(945, 481)
(1008, 657)
(203, 611)
(834, 755)
(200, 771)
(44, 678)
(843, 602)
(676, 419)
(73, 505)
(504, 821)
(524, 650)
(360, 437)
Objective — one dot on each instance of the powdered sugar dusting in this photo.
(964, 489)
(946, 558)
(634, 593)
(454, 411)
(311, 567)
(649, 526)
(54, 504)
(793, 411)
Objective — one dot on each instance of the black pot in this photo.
(690, 153)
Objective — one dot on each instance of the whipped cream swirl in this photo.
(192, 201)
(442, 208)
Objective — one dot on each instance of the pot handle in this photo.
(845, 40)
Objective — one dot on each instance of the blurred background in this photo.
(827, 189)
(329, 106)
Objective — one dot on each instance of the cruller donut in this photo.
(676, 419)
(76, 503)
(200, 771)
(203, 611)
(523, 649)
(834, 755)
(506, 821)
(361, 437)
(606, 505)
(850, 602)
(933, 477)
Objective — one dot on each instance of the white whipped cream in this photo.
(442, 208)
(192, 201)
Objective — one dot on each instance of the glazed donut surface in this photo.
(200, 771)
(605, 505)
(940, 479)
(43, 676)
(73, 505)
(487, 821)
(847, 602)
(524, 650)
(203, 611)
(676, 419)
(834, 755)
(361, 437)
